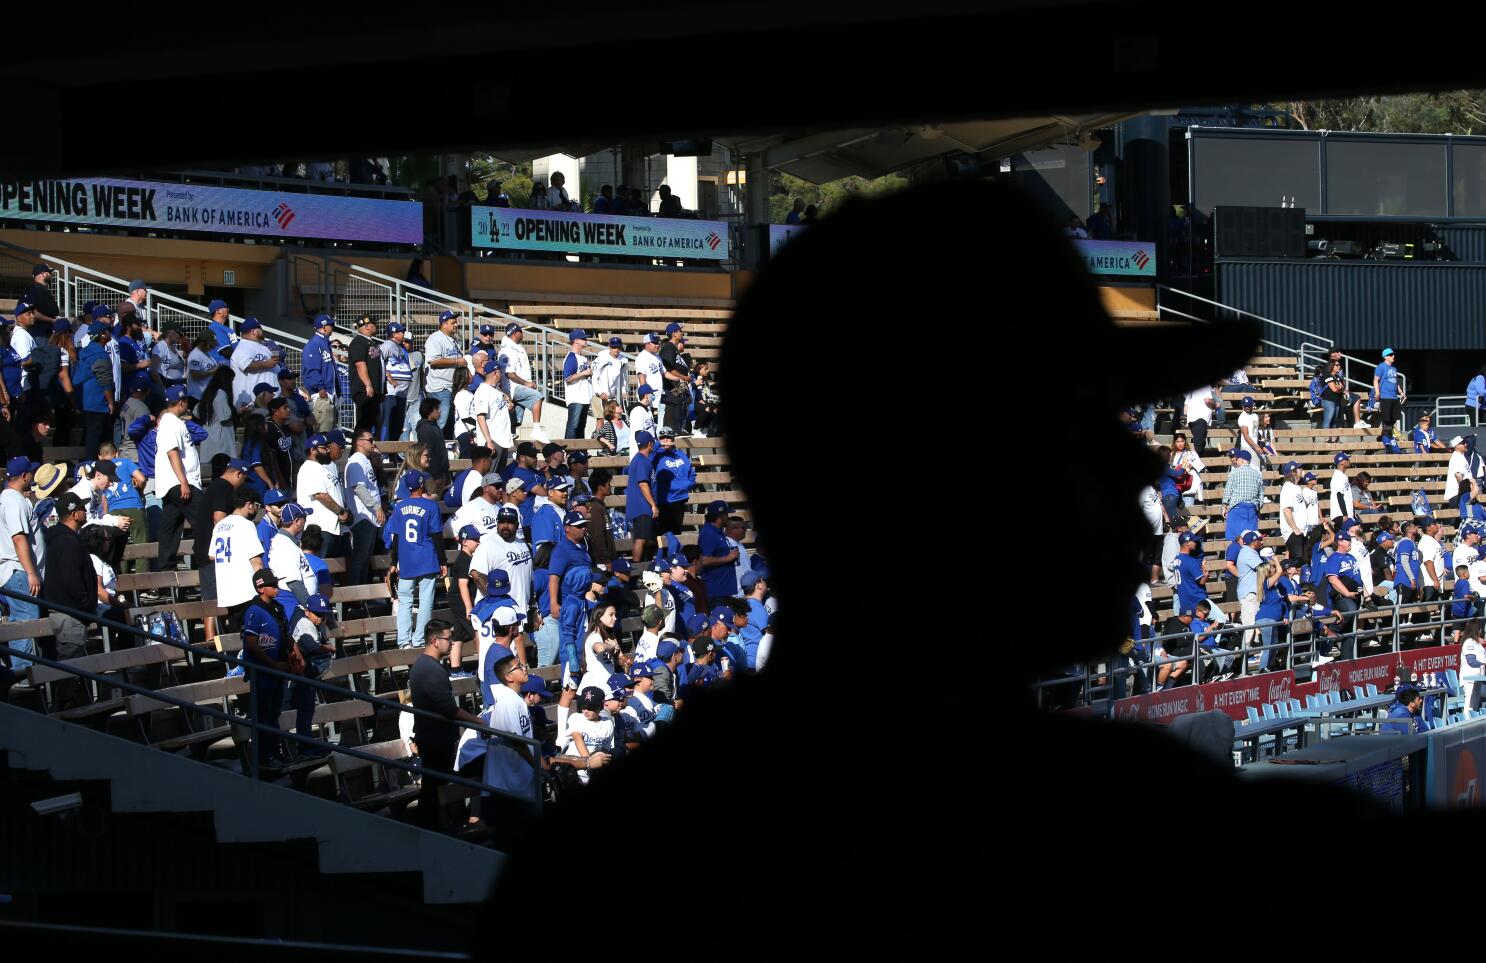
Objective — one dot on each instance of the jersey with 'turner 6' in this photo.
(413, 527)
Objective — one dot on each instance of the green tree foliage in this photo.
(1446, 112)
(784, 188)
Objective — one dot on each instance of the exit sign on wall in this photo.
(229, 278)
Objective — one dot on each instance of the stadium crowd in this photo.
(1340, 551)
(520, 547)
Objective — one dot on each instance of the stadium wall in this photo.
(493, 284)
(195, 265)
(1406, 305)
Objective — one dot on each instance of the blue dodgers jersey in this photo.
(258, 621)
(528, 505)
(266, 531)
(721, 580)
(546, 525)
(413, 524)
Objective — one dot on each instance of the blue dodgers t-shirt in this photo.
(413, 525)
(565, 557)
(1424, 440)
(1190, 590)
(266, 531)
(122, 495)
(639, 471)
(1387, 375)
(257, 620)
(721, 580)
(528, 506)
(321, 570)
(1340, 564)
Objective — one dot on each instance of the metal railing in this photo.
(1451, 411)
(260, 728)
(1272, 332)
(348, 291)
(1093, 691)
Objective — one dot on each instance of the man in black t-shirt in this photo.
(368, 383)
(677, 379)
(429, 685)
(214, 505)
(40, 294)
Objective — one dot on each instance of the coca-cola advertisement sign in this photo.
(1232, 697)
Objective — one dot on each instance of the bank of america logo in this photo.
(1142, 259)
(284, 214)
(713, 240)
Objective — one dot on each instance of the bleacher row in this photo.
(367, 658)
(1394, 477)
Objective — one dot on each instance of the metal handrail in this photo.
(474, 309)
(249, 666)
(1443, 404)
(1225, 628)
(1250, 314)
(1192, 317)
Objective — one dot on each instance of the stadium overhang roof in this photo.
(875, 151)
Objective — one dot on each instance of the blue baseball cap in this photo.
(97, 328)
(641, 670)
(718, 507)
(1250, 536)
(487, 329)
(512, 328)
(643, 438)
(139, 381)
(237, 464)
(679, 561)
(508, 514)
(395, 327)
(287, 375)
(665, 649)
(1347, 523)
(1242, 454)
(336, 437)
(263, 386)
(1247, 402)
(1341, 456)
(1309, 476)
(174, 393)
(274, 496)
(321, 320)
(22, 306)
(19, 465)
(292, 513)
(1186, 538)
(673, 327)
(618, 684)
(316, 440)
(138, 285)
(577, 334)
(616, 342)
(61, 326)
(318, 604)
(644, 390)
(652, 338)
(469, 533)
(574, 519)
(496, 580)
(621, 566)
(415, 480)
(249, 324)
(578, 454)
(1342, 534)
(559, 483)
(1291, 466)
(492, 366)
(582, 498)
(750, 579)
(216, 305)
(446, 315)
(721, 615)
(102, 311)
(1387, 352)
(535, 685)
(696, 625)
